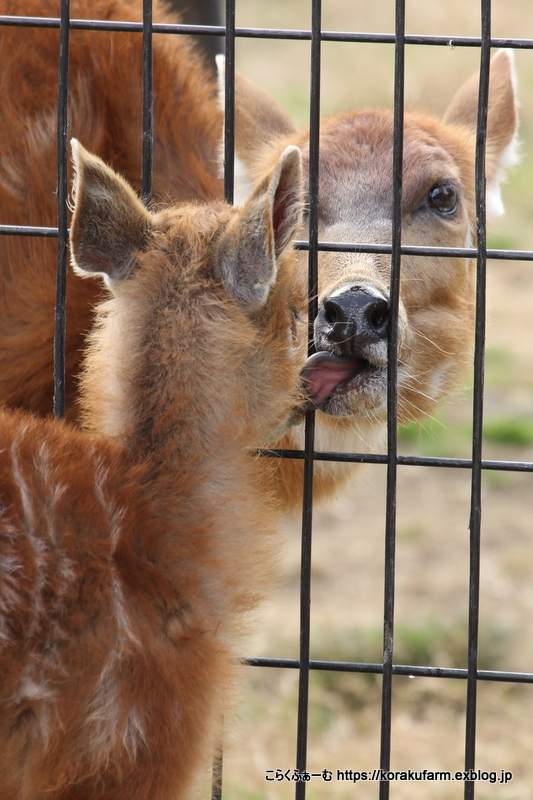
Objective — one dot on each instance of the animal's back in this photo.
(104, 105)
(99, 643)
(105, 113)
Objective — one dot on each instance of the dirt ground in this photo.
(433, 504)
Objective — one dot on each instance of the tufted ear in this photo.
(502, 121)
(110, 226)
(260, 122)
(262, 231)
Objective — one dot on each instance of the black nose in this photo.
(352, 319)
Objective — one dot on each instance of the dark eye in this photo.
(443, 197)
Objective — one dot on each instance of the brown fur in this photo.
(127, 562)
(355, 197)
(105, 112)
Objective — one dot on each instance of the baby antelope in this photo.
(131, 549)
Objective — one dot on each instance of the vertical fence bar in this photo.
(60, 313)
(216, 775)
(148, 103)
(477, 438)
(307, 511)
(392, 400)
(229, 182)
(229, 103)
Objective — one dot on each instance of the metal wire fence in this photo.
(476, 464)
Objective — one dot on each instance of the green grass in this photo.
(425, 643)
(509, 431)
(421, 643)
(453, 438)
(439, 437)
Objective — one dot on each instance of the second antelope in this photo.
(128, 560)
(348, 380)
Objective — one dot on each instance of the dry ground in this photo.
(433, 504)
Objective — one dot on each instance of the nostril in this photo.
(379, 314)
(333, 313)
(330, 314)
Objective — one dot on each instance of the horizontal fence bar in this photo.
(335, 247)
(28, 230)
(266, 33)
(409, 461)
(417, 250)
(409, 671)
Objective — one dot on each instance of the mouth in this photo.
(327, 376)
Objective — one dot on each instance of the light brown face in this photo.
(201, 310)
(348, 377)
(200, 323)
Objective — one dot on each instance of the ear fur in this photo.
(502, 121)
(261, 233)
(259, 123)
(110, 225)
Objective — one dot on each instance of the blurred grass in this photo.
(441, 437)
(509, 430)
(425, 642)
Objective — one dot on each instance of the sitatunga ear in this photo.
(502, 121)
(110, 226)
(260, 122)
(263, 230)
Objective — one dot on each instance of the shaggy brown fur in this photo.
(105, 112)
(127, 562)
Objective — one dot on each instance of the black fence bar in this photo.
(308, 472)
(406, 670)
(268, 33)
(392, 400)
(479, 372)
(416, 250)
(28, 230)
(147, 104)
(409, 461)
(62, 211)
(337, 247)
(229, 103)
(305, 605)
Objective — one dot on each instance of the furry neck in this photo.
(190, 434)
(185, 405)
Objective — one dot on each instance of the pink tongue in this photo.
(324, 371)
